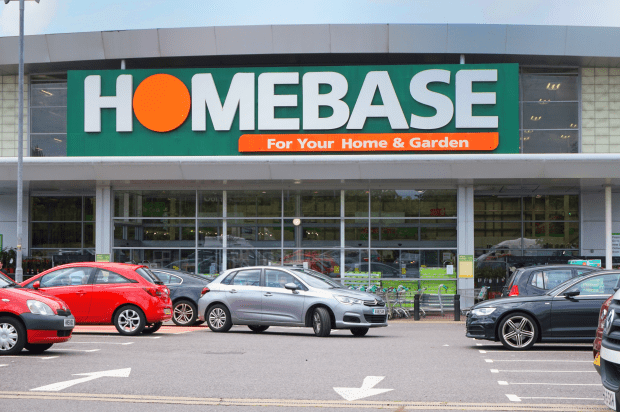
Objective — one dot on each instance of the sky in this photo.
(69, 16)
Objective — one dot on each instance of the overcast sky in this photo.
(64, 16)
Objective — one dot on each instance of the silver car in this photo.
(264, 296)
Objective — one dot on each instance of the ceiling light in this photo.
(553, 86)
(573, 125)
(535, 118)
(58, 140)
(46, 92)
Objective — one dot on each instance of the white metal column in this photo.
(103, 220)
(465, 239)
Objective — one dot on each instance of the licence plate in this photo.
(378, 311)
(69, 322)
(610, 398)
(167, 311)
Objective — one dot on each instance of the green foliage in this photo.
(489, 273)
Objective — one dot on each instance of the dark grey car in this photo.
(537, 280)
(185, 290)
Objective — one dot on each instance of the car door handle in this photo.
(268, 294)
(232, 291)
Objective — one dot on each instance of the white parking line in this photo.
(559, 398)
(30, 357)
(553, 384)
(104, 343)
(537, 360)
(3, 365)
(513, 398)
(534, 371)
(75, 350)
(482, 351)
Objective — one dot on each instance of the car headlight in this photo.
(348, 301)
(39, 308)
(482, 311)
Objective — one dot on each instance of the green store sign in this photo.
(314, 110)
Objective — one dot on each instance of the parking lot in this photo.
(408, 366)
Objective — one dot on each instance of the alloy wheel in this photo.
(129, 320)
(518, 331)
(183, 313)
(217, 318)
(316, 324)
(8, 336)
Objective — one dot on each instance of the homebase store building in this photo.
(402, 147)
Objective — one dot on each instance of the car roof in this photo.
(559, 266)
(105, 265)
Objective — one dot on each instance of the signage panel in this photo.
(236, 111)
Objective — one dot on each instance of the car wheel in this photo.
(150, 329)
(258, 328)
(12, 336)
(184, 313)
(518, 331)
(129, 320)
(321, 322)
(218, 319)
(359, 331)
(38, 347)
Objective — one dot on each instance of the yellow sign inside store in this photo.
(466, 266)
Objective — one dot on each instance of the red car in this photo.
(31, 320)
(128, 296)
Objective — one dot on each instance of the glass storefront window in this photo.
(65, 224)
(553, 235)
(210, 233)
(490, 208)
(154, 232)
(312, 233)
(438, 203)
(210, 203)
(549, 87)
(552, 208)
(48, 145)
(312, 203)
(255, 233)
(155, 203)
(237, 258)
(56, 235)
(490, 234)
(56, 209)
(550, 141)
(321, 260)
(256, 203)
(356, 203)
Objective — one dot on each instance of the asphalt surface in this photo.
(427, 366)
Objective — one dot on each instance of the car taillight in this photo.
(514, 291)
(205, 290)
(603, 313)
(153, 292)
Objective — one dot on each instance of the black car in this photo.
(538, 280)
(185, 290)
(567, 313)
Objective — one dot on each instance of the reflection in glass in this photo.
(254, 233)
(56, 235)
(236, 258)
(540, 87)
(48, 120)
(326, 261)
(210, 203)
(312, 203)
(154, 232)
(56, 208)
(554, 235)
(312, 233)
(155, 203)
(550, 141)
(210, 233)
(48, 145)
(563, 207)
(489, 208)
(257, 203)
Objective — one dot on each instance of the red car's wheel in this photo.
(12, 336)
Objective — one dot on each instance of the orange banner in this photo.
(368, 142)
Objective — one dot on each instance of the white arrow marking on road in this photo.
(353, 394)
(116, 373)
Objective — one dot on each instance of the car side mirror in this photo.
(571, 294)
(36, 285)
(291, 286)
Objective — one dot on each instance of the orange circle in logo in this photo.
(161, 102)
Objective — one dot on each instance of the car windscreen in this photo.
(316, 279)
(149, 276)
(6, 282)
(564, 285)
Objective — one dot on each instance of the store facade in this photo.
(355, 160)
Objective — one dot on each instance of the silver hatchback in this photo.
(264, 296)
